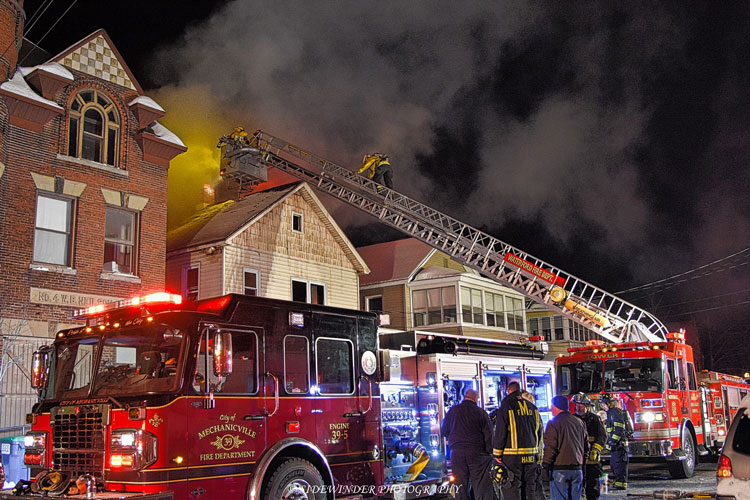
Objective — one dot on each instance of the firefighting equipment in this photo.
(560, 297)
(608, 399)
(416, 468)
(53, 483)
(501, 474)
(581, 399)
(595, 454)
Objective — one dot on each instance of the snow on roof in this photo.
(146, 101)
(17, 85)
(50, 67)
(163, 132)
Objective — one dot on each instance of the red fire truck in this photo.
(726, 393)
(249, 397)
(672, 413)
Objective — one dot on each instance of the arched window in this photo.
(94, 128)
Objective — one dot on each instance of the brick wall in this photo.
(23, 152)
(11, 35)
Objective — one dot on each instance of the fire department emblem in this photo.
(227, 442)
(156, 420)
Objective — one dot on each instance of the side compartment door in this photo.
(227, 416)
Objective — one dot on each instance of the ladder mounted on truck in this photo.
(609, 316)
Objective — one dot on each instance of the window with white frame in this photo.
(296, 222)
(306, 291)
(494, 309)
(471, 306)
(374, 304)
(190, 282)
(251, 282)
(434, 305)
(514, 309)
(120, 241)
(53, 240)
(93, 127)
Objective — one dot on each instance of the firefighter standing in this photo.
(518, 447)
(380, 169)
(597, 440)
(467, 429)
(617, 441)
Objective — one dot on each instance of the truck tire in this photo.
(681, 469)
(295, 479)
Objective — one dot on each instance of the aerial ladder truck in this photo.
(651, 369)
(246, 161)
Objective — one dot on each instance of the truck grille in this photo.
(78, 438)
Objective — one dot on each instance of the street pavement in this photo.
(646, 478)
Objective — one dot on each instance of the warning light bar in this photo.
(594, 342)
(676, 336)
(154, 298)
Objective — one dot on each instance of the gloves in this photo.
(594, 455)
(546, 472)
(499, 473)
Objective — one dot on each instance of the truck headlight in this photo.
(35, 444)
(649, 417)
(132, 449)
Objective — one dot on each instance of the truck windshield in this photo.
(133, 361)
(579, 377)
(640, 375)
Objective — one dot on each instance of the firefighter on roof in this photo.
(617, 423)
(380, 169)
(517, 447)
(597, 440)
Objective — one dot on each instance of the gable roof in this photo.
(394, 260)
(97, 56)
(223, 221)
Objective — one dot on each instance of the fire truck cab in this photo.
(232, 397)
(658, 387)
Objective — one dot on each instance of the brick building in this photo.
(83, 199)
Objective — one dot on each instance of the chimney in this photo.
(12, 18)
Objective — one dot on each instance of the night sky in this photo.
(609, 139)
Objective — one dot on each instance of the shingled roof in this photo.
(393, 260)
(217, 223)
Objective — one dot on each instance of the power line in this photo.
(709, 309)
(37, 15)
(671, 281)
(50, 29)
(703, 299)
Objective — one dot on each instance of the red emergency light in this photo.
(153, 298)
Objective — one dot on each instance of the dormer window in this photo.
(94, 128)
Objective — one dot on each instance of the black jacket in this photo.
(467, 426)
(565, 442)
(616, 427)
(596, 432)
(518, 428)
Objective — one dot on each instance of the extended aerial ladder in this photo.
(246, 161)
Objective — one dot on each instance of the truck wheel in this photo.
(681, 469)
(295, 479)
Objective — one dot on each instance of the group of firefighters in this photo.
(376, 166)
(520, 454)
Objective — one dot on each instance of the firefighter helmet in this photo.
(608, 399)
(581, 399)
